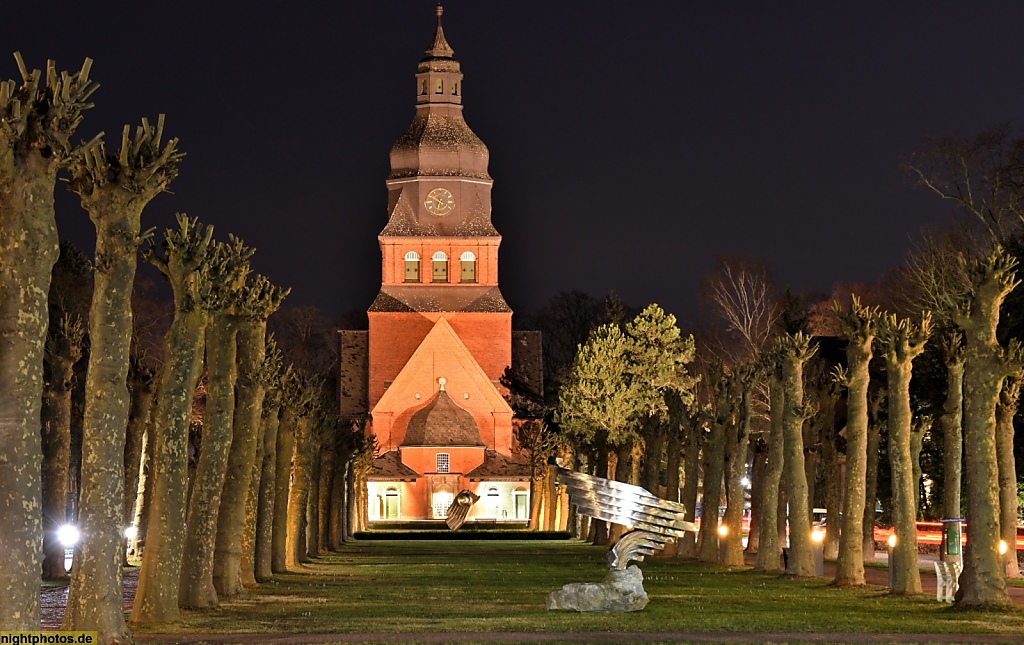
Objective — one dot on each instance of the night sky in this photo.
(632, 143)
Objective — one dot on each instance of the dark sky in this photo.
(632, 143)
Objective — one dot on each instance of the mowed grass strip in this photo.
(490, 586)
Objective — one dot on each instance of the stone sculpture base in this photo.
(619, 591)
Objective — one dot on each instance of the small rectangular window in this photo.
(440, 87)
(442, 462)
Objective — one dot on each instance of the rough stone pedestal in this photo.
(619, 591)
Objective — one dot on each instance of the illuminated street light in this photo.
(723, 530)
(67, 535)
(817, 535)
(1002, 547)
(130, 533)
(892, 541)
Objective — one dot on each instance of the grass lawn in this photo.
(478, 586)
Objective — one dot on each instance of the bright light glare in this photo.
(1002, 547)
(130, 533)
(746, 482)
(723, 530)
(817, 535)
(892, 540)
(68, 535)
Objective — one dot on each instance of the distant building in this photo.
(426, 374)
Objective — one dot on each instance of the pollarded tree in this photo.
(795, 350)
(196, 588)
(859, 326)
(744, 378)
(38, 119)
(951, 423)
(309, 401)
(114, 190)
(902, 341)
(259, 300)
(714, 462)
(267, 479)
(63, 350)
(191, 266)
(876, 405)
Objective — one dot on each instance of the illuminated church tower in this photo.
(427, 372)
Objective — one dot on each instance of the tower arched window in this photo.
(412, 266)
(440, 267)
(439, 89)
(423, 87)
(468, 265)
(455, 88)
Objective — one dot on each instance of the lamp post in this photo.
(818, 551)
(723, 534)
(892, 554)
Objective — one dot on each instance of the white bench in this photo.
(946, 576)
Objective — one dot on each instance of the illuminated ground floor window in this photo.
(441, 502)
(521, 498)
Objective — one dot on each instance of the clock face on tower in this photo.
(439, 202)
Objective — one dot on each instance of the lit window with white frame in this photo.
(441, 503)
(493, 502)
(468, 265)
(442, 462)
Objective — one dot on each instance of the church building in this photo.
(426, 375)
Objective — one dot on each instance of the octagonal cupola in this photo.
(438, 143)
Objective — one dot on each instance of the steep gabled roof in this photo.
(498, 467)
(389, 467)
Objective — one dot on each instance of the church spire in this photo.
(439, 47)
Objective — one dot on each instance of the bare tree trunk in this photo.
(1009, 400)
(286, 432)
(951, 422)
(651, 456)
(265, 511)
(902, 341)
(245, 432)
(674, 455)
(312, 523)
(830, 474)
(812, 455)
(599, 528)
(736, 462)
(922, 424)
(859, 326)
(714, 465)
(39, 116)
(197, 590)
(143, 492)
(759, 452)
(691, 482)
(324, 505)
(186, 266)
(143, 387)
(871, 483)
(769, 552)
(797, 349)
(114, 192)
(63, 350)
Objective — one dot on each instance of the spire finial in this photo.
(441, 381)
(439, 11)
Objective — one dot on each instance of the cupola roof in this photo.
(439, 47)
(442, 423)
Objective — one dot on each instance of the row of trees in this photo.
(269, 486)
(782, 388)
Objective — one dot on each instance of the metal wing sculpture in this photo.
(459, 509)
(655, 522)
